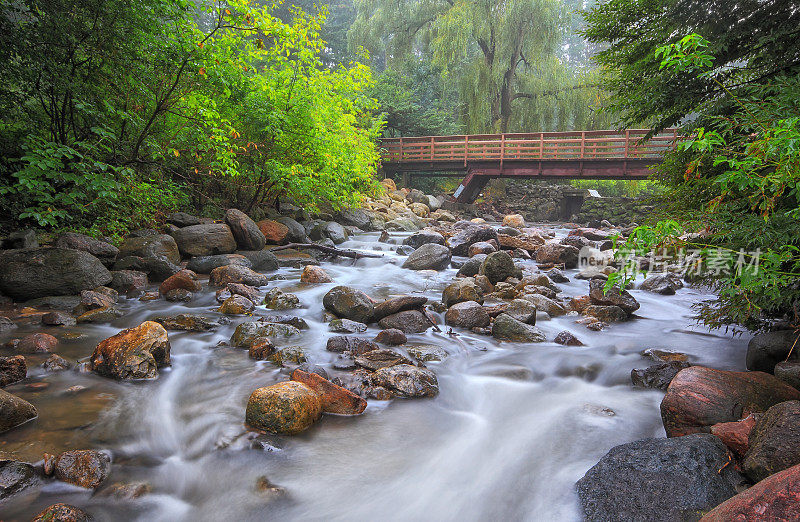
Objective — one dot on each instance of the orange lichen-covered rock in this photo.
(135, 353)
(314, 274)
(335, 399)
(286, 407)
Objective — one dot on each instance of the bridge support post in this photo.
(470, 187)
(406, 180)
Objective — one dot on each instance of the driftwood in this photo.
(328, 250)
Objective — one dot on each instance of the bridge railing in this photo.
(600, 144)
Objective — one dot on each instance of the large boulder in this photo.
(514, 221)
(223, 275)
(776, 498)
(248, 333)
(767, 349)
(247, 234)
(658, 375)
(355, 217)
(14, 411)
(205, 264)
(774, 441)
(156, 268)
(405, 380)
(398, 304)
(128, 281)
(498, 266)
(156, 245)
(664, 284)
(39, 272)
(261, 260)
(135, 353)
(699, 397)
(286, 407)
(12, 369)
(659, 480)
(558, 254)
(205, 240)
(469, 233)
(615, 296)
(275, 233)
(468, 314)
(296, 231)
(185, 279)
(429, 256)
(423, 237)
(36, 343)
(507, 328)
(336, 232)
(407, 321)
(462, 290)
(335, 399)
(349, 303)
(62, 513)
(105, 252)
(183, 219)
(84, 468)
(15, 476)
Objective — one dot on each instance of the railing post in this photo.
(432, 138)
(502, 149)
(466, 149)
(627, 141)
(401, 149)
(583, 143)
(541, 145)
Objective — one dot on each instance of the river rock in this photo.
(286, 407)
(205, 240)
(247, 333)
(84, 468)
(279, 300)
(609, 314)
(245, 231)
(699, 397)
(205, 264)
(156, 268)
(335, 399)
(460, 291)
(556, 253)
(352, 345)
(468, 234)
(424, 237)
(521, 310)
(776, 498)
(468, 314)
(346, 326)
(39, 272)
(789, 372)
(182, 219)
(614, 296)
(223, 275)
(767, 349)
(135, 353)
(15, 476)
(736, 435)
(232, 289)
(664, 284)
(349, 303)
(58, 318)
(408, 321)
(105, 314)
(21, 239)
(14, 411)
(658, 375)
(481, 247)
(405, 380)
(62, 513)
(429, 256)
(544, 304)
(157, 245)
(296, 231)
(507, 328)
(514, 220)
(314, 274)
(472, 266)
(498, 266)
(260, 260)
(236, 305)
(6, 324)
(92, 300)
(567, 338)
(185, 279)
(398, 304)
(391, 337)
(774, 442)
(12, 369)
(37, 343)
(426, 352)
(659, 480)
(105, 252)
(381, 358)
(275, 233)
(354, 217)
(55, 363)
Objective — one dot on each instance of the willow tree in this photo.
(505, 56)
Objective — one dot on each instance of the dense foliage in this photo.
(113, 110)
(735, 91)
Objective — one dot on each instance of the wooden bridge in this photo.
(601, 154)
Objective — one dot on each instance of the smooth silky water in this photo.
(514, 427)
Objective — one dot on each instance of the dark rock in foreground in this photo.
(774, 441)
(40, 272)
(659, 480)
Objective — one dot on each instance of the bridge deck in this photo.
(457, 152)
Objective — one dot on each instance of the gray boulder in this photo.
(205, 240)
(469, 233)
(261, 260)
(498, 266)
(349, 303)
(507, 328)
(767, 349)
(336, 232)
(182, 219)
(14, 411)
(40, 272)
(429, 256)
(154, 245)
(105, 252)
(247, 234)
(205, 264)
(297, 232)
(423, 237)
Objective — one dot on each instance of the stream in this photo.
(514, 427)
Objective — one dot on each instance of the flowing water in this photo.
(514, 426)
